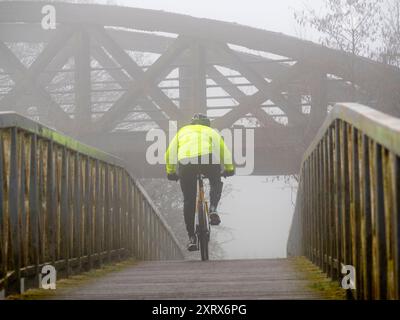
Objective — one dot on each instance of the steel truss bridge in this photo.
(107, 74)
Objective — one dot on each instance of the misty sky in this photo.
(264, 14)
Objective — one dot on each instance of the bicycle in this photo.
(203, 229)
(202, 217)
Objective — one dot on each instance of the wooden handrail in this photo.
(70, 205)
(348, 203)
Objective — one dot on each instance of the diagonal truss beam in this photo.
(123, 80)
(265, 89)
(57, 63)
(264, 118)
(145, 80)
(26, 78)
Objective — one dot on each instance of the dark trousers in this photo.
(188, 180)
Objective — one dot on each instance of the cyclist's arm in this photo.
(171, 156)
(225, 154)
(226, 157)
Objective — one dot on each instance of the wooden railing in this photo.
(69, 205)
(348, 203)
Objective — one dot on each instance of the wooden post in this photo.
(52, 199)
(338, 200)
(33, 203)
(77, 209)
(3, 215)
(24, 218)
(356, 207)
(14, 189)
(135, 221)
(88, 212)
(100, 234)
(345, 198)
(107, 213)
(65, 240)
(381, 257)
(367, 218)
(396, 222)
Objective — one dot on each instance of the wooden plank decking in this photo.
(228, 279)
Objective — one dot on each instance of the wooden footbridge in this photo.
(76, 207)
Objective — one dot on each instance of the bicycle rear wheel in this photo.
(203, 233)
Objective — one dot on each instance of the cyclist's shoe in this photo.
(215, 220)
(192, 245)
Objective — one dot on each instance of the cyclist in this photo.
(198, 148)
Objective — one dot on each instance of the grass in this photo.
(71, 283)
(318, 280)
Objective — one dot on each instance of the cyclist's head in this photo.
(199, 118)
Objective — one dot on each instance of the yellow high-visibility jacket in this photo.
(197, 140)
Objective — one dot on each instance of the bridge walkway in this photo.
(223, 279)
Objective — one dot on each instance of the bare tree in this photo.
(348, 25)
(290, 182)
(353, 26)
(390, 33)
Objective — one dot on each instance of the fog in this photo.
(257, 213)
(270, 15)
